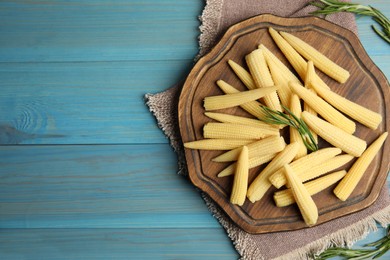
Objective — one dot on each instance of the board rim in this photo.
(233, 211)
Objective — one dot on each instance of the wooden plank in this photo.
(81, 103)
(64, 40)
(96, 186)
(89, 186)
(197, 243)
(68, 31)
(95, 30)
(109, 243)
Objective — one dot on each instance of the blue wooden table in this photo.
(85, 173)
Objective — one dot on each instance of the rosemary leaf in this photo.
(334, 6)
(372, 250)
(279, 118)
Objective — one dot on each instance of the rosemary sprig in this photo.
(335, 6)
(279, 118)
(380, 247)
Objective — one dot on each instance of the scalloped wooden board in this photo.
(366, 86)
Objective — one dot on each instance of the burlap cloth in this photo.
(217, 16)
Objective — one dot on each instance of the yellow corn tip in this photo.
(335, 136)
(324, 167)
(253, 162)
(302, 197)
(269, 145)
(310, 73)
(236, 99)
(234, 131)
(295, 59)
(262, 77)
(258, 69)
(240, 182)
(323, 108)
(251, 107)
(261, 184)
(281, 75)
(217, 144)
(320, 60)
(350, 181)
(284, 91)
(272, 59)
(227, 118)
(290, 53)
(310, 77)
(285, 197)
(361, 114)
(295, 107)
(243, 75)
(307, 108)
(278, 179)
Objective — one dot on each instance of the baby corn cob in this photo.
(344, 189)
(251, 107)
(320, 61)
(294, 57)
(243, 75)
(285, 71)
(253, 162)
(281, 75)
(262, 77)
(233, 131)
(269, 145)
(335, 136)
(240, 182)
(324, 167)
(290, 53)
(285, 197)
(361, 114)
(295, 107)
(310, 110)
(227, 118)
(284, 92)
(217, 144)
(324, 109)
(261, 184)
(236, 99)
(278, 179)
(310, 74)
(302, 197)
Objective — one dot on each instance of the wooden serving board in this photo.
(366, 86)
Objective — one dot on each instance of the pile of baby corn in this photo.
(251, 142)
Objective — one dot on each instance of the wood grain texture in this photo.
(82, 103)
(130, 47)
(108, 243)
(73, 31)
(88, 186)
(366, 86)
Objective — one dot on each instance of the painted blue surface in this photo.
(85, 173)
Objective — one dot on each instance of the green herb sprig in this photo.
(379, 248)
(279, 118)
(335, 6)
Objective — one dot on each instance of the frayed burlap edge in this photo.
(161, 103)
(241, 241)
(345, 237)
(163, 106)
(209, 28)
